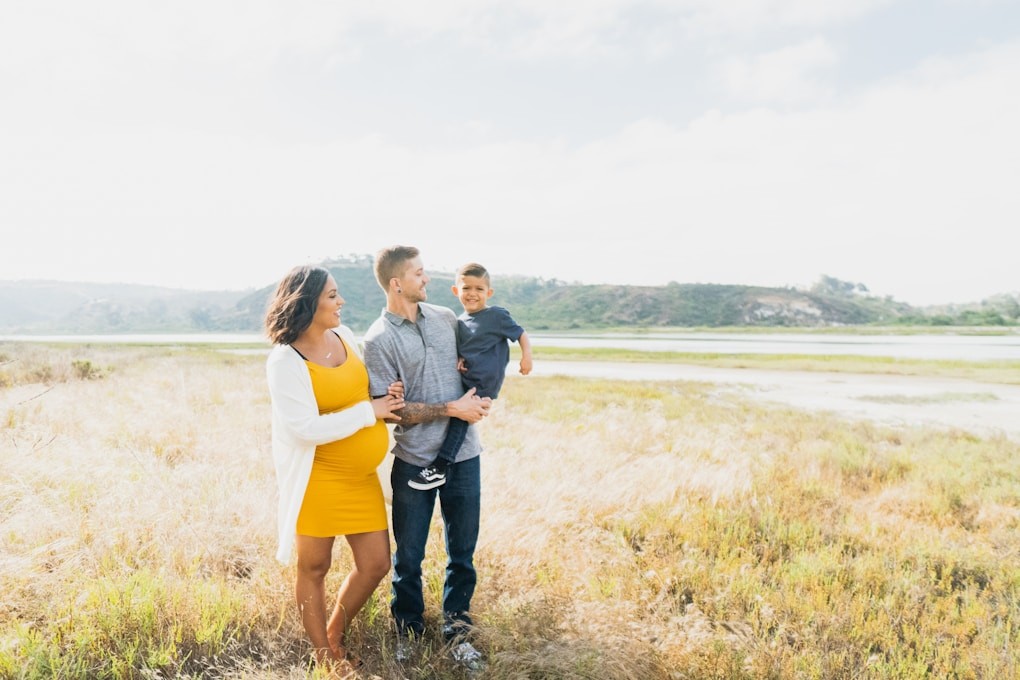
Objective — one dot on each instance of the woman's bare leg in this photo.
(371, 553)
(314, 556)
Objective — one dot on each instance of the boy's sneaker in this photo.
(428, 478)
(465, 654)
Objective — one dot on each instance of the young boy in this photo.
(483, 333)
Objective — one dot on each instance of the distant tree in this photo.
(830, 285)
(201, 318)
(1011, 308)
(1006, 305)
(983, 317)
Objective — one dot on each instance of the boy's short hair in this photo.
(389, 263)
(474, 269)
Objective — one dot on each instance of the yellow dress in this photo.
(344, 495)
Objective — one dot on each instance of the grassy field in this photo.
(656, 531)
(860, 329)
(1001, 371)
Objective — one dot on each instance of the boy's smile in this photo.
(473, 292)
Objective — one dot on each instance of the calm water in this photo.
(965, 347)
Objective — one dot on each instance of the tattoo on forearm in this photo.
(415, 412)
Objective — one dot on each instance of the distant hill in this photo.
(65, 307)
(539, 304)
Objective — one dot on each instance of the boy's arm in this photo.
(514, 332)
(525, 344)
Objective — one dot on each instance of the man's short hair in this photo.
(390, 263)
(474, 269)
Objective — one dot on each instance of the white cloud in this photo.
(197, 32)
(243, 34)
(589, 28)
(900, 189)
(790, 75)
(710, 18)
(114, 143)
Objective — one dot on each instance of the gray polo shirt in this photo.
(423, 355)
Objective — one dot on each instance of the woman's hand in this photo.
(396, 389)
(384, 407)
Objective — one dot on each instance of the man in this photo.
(416, 343)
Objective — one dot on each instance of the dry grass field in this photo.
(652, 531)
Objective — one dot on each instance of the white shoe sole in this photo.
(425, 486)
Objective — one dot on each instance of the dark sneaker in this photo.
(456, 627)
(429, 478)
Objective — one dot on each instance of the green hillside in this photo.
(543, 304)
(68, 307)
(539, 304)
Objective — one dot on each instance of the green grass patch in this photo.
(1005, 371)
(127, 626)
(629, 530)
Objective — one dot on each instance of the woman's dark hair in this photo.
(293, 305)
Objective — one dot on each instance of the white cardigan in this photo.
(298, 429)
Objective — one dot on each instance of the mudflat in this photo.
(986, 409)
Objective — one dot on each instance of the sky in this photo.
(215, 145)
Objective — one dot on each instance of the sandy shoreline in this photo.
(986, 409)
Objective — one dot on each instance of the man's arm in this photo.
(378, 355)
(469, 408)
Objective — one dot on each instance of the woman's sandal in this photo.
(352, 660)
(339, 669)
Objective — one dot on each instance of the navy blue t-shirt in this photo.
(482, 339)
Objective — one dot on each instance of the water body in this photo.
(899, 400)
(962, 347)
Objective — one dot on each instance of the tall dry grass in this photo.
(629, 531)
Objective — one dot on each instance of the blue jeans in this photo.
(460, 504)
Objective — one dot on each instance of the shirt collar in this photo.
(398, 320)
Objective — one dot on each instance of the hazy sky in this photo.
(216, 144)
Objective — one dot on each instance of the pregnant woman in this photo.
(328, 438)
